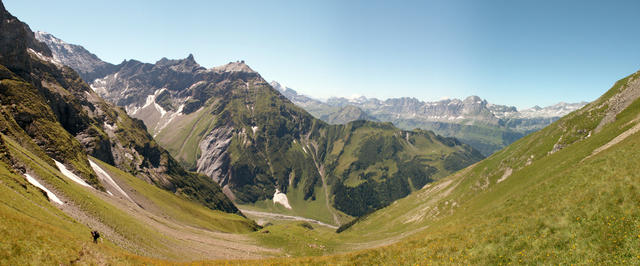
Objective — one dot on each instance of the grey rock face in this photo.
(214, 158)
(88, 65)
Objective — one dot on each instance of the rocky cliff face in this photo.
(88, 65)
(227, 122)
(48, 108)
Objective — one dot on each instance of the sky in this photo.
(520, 53)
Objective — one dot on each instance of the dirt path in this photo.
(278, 216)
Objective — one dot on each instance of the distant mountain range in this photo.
(488, 127)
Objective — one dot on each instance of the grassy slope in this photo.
(560, 208)
(34, 231)
(74, 236)
(186, 211)
(184, 135)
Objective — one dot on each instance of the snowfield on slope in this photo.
(50, 194)
(106, 177)
(281, 198)
(70, 175)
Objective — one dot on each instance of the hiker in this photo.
(95, 236)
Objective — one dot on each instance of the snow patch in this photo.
(63, 169)
(42, 57)
(159, 108)
(161, 126)
(150, 100)
(506, 174)
(110, 127)
(50, 194)
(105, 176)
(281, 198)
(99, 85)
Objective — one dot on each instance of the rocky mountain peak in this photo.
(41, 35)
(473, 99)
(88, 65)
(187, 64)
(276, 85)
(238, 66)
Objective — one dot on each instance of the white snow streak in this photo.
(104, 175)
(50, 194)
(281, 198)
(70, 175)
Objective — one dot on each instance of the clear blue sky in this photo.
(521, 53)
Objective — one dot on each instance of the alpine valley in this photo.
(175, 163)
(228, 123)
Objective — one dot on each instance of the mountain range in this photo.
(228, 123)
(485, 126)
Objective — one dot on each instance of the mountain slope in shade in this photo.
(487, 127)
(48, 109)
(230, 124)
